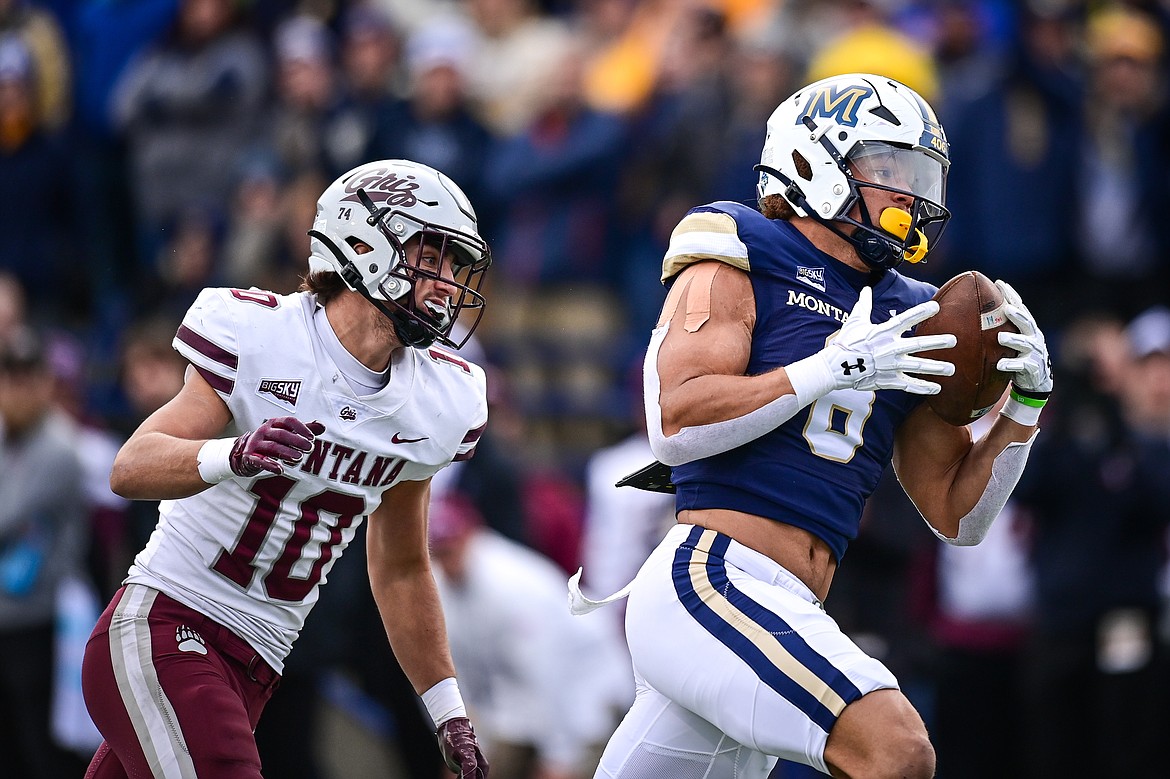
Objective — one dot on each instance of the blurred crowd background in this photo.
(150, 148)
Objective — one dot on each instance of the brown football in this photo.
(971, 309)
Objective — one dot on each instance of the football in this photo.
(971, 309)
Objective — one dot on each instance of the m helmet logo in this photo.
(840, 104)
(348, 414)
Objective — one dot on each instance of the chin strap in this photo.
(410, 332)
(874, 250)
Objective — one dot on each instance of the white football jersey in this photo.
(251, 553)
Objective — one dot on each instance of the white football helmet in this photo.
(859, 130)
(384, 204)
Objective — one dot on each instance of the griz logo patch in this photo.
(287, 390)
(385, 188)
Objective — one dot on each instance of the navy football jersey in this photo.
(816, 470)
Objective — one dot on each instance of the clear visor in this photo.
(906, 170)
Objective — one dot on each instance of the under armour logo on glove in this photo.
(877, 356)
(858, 366)
(460, 749)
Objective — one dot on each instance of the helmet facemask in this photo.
(423, 324)
(895, 235)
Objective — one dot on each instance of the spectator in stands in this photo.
(35, 203)
(696, 139)
(38, 29)
(981, 609)
(96, 444)
(105, 39)
(188, 260)
(1123, 159)
(369, 50)
(13, 306)
(865, 42)
(42, 540)
(187, 108)
(1098, 508)
(434, 124)
(554, 183)
(517, 48)
(254, 249)
(1012, 186)
(151, 374)
(265, 242)
(307, 94)
(544, 686)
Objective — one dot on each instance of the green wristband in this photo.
(1028, 401)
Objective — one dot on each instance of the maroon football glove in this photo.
(283, 439)
(461, 750)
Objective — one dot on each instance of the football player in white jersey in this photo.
(302, 415)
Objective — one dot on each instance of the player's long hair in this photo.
(326, 285)
(775, 206)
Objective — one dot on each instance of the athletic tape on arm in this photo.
(1006, 471)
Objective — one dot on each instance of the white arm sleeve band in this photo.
(214, 460)
(809, 378)
(1005, 474)
(444, 702)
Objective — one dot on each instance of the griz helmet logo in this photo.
(386, 188)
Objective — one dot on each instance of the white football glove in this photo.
(1032, 369)
(866, 356)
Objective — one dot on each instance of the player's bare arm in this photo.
(701, 363)
(160, 460)
(403, 586)
(943, 470)
(159, 456)
(699, 402)
(960, 485)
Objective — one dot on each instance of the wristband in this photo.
(1030, 397)
(215, 460)
(444, 702)
(810, 379)
(1024, 406)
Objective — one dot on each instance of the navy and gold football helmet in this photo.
(837, 136)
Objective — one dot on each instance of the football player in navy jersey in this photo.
(301, 416)
(778, 385)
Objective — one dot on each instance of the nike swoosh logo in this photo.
(397, 439)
